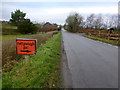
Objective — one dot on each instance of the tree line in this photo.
(75, 22)
(25, 26)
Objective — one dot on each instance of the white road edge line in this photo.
(108, 44)
(115, 46)
(105, 43)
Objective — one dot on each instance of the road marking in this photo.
(107, 44)
(115, 46)
(110, 45)
(104, 43)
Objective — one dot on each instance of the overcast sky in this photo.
(56, 11)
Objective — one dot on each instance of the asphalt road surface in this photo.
(92, 64)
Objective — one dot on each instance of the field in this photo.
(8, 30)
(7, 37)
(8, 27)
(43, 70)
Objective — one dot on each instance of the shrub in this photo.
(27, 27)
(17, 17)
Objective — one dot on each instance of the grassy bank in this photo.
(43, 71)
(114, 42)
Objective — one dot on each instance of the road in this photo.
(92, 64)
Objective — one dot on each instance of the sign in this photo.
(26, 46)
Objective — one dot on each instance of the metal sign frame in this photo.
(23, 39)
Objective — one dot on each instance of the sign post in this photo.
(27, 59)
(26, 47)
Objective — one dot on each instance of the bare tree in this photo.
(73, 22)
(90, 21)
(114, 21)
(111, 21)
(98, 22)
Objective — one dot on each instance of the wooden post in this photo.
(27, 61)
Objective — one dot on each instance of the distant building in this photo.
(49, 27)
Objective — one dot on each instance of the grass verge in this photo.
(114, 42)
(0, 81)
(43, 70)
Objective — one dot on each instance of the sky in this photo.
(56, 11)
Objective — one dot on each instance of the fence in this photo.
(102, 34)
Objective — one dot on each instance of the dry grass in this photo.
(9, 56)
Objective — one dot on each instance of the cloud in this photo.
(58, 14)
(60, 0)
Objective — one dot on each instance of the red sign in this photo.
(26, 46)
